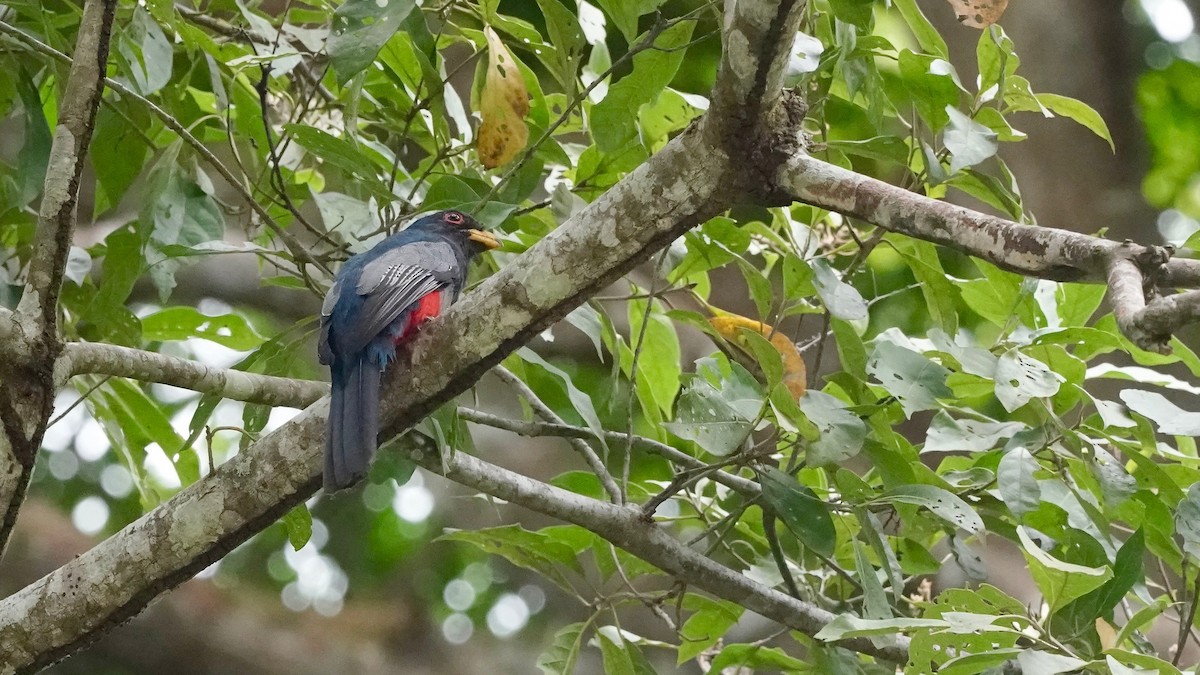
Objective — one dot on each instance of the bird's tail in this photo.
(353, 422)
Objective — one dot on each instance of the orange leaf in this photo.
(503, 105)
(795, 374)
(978, 13)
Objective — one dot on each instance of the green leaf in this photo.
(181, 323)
(1187, 521)
(566, 35)
(947, 434)
(857, 12)
(1168, 417)
(340, 152)
(1018, 487)
(932, 84)
(122, 268)
(703, 416)
(560, 657)
(1060, 582)
(945, 505)
(658, 353)
(530, 550)
(145, 54)
(625, 14)
(614, 119)
(360, 29)
(846, 626)
(621, 657)
(1080, 112)
(34, 156)
(1048, 663)
(755, 658)
(841, 299)
(298, 523)
(968, 141)
(350, 217)
(996, 57)
(875, 602)
(940, 292)
(800, 509)
(842, 432)
(116, 153)
(710, 622)
(1021, 378)
(927, 36)
(909, 376)
(580, 401)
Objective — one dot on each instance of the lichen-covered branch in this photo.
(76, 120)
(80, 358)
(1041, 252)
(757, 38)
(27, 397)
(626, 527)
(679, 187)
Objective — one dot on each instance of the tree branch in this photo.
(68, 150)
(79, 358)
(1041, 252)
(625, 527)
(27, 397)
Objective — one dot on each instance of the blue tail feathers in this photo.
(353, 421)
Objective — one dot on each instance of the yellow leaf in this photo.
(1108, 634)
(795, 374)
(503, 105)
(978, 13)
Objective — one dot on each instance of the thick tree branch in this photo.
(27, 397)
(80, 358)
(1042, 252)
(76, 120)
(679, 187)
(756, 41)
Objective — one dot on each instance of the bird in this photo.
(378, 301)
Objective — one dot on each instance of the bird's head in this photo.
(460, 225)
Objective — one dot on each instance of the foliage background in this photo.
(174, 259)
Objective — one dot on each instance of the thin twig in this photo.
(542, 410)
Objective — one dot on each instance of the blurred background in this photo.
(373, 591)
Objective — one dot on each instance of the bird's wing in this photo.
(391, 284)
(324, 349)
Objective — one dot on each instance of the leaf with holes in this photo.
(503, 105)
(1021, 378)
(945, 505)
(909, 376)
(1060, 582)
(704, 416)
(360, 29)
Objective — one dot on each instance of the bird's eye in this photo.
(453, 217)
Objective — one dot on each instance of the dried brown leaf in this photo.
(503, 105)
(978, 13)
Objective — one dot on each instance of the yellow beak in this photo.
(486, 239)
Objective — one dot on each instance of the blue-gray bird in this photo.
(378, 301)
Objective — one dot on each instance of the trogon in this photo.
(377, 302)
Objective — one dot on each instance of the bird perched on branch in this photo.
(378, 301)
